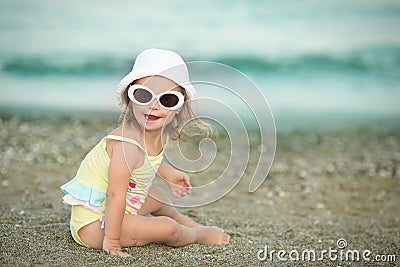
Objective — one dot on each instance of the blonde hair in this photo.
(184, 123)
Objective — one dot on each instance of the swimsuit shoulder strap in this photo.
(124, 139)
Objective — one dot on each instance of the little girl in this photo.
(112, 191)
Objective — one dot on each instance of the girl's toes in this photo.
(226, 239)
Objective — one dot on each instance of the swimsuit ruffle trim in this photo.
(77, 193)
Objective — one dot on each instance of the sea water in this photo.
(316, 62)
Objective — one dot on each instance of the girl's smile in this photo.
(150, 117)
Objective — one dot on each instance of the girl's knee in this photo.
(170, 227)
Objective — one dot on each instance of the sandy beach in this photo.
(323, 187)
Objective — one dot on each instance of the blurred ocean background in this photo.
(318, 63)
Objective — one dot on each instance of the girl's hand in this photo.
(113, 247)
(179, 183)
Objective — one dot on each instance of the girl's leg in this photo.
(92, 235)
(155, 207)
(140, 230)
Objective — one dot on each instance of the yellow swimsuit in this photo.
(86, 193)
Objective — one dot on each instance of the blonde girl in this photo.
(112, 193)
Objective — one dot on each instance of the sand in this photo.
(323, 186)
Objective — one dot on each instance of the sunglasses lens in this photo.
(169, 100)
(142, 95)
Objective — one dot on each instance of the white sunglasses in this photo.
(143, 95)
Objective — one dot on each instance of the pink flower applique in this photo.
(134, 200)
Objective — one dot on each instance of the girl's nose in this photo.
(154, 105)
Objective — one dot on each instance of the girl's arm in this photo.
(124, 157)
(178, 181)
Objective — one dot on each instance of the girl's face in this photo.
(153, 117)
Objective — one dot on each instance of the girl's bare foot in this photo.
(211, 235)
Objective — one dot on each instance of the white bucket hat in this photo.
(158, 62)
